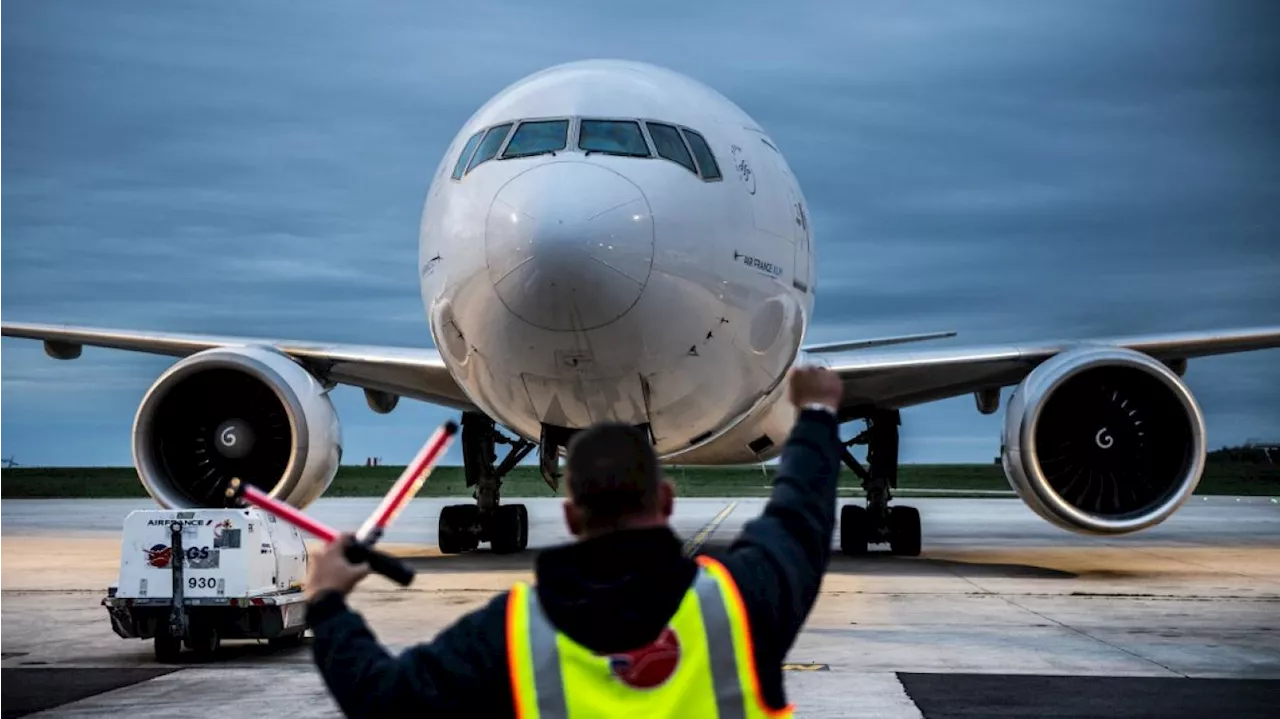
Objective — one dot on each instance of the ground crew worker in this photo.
(619, 622)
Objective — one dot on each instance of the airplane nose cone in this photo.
(569, 245)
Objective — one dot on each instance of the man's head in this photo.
(614, 482)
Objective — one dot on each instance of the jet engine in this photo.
(1103, 440)
(247, 412)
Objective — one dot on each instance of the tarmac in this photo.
(1003, 615)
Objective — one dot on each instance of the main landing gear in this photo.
(878, 523)
(504, 526)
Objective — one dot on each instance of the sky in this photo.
(1012, 171)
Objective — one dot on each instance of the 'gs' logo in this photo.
(160, 555)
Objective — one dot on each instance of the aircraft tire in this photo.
(904, 531)
(511, 529)
(853, 530)
(455, 533)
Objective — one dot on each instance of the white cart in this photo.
(196, 577)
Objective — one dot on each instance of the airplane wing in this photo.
(405, 371)
(892, 378)
(902, 377)
(875, 342)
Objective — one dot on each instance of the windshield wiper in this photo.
(617, 153)
(530, 154)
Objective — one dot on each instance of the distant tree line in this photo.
(1246, 454)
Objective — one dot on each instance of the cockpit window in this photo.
(537, 137)
(666, 140)
(613, 137)
(467, 149)
(706, 160)
(625, 138)
(489, 146)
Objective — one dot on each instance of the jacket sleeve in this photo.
(462, 671)
(779, 558)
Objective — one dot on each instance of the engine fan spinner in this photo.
(247, 412)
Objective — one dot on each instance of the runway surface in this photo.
(1004, 615)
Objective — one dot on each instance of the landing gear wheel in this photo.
(204, 641)
(904, 531)
(853, 530)
(168, 648)
(456, 533)
(510, 529)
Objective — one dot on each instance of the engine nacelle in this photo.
(247, 412)
(1103, 440)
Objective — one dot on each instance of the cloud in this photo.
(1010, 170)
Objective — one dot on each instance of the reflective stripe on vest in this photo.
(730, 701)
(716, 656)
(546, 660)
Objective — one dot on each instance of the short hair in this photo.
(613, 474)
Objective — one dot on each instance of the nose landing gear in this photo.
(504, 526)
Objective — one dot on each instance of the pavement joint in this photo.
(1100, 640)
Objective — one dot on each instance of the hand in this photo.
(329, 569)
(809, 385)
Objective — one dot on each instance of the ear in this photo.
(573, 518)
(666, 497)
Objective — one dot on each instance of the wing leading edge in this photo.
(875, 342)
(883, 378)
(405, 371)
(902, 377)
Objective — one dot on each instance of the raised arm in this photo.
(780, 557)
(462, 670)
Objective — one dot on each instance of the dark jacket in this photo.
(611, 594)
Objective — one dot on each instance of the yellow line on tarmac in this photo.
(699, 538)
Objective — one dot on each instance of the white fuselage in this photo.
(570, 288)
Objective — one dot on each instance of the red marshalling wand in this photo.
(361, 548)
(407, 486)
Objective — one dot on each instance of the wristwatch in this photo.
(820, 407)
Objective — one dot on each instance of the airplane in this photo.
(613, 240)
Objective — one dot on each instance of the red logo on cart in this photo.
(159, 556)
(648, 666)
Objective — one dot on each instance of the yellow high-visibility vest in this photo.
(703, 664)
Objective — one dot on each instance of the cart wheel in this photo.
(168, 648)
(285, 641)
(204, 641)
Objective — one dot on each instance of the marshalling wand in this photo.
(356, 553)
(407, 486)
(360, 549)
